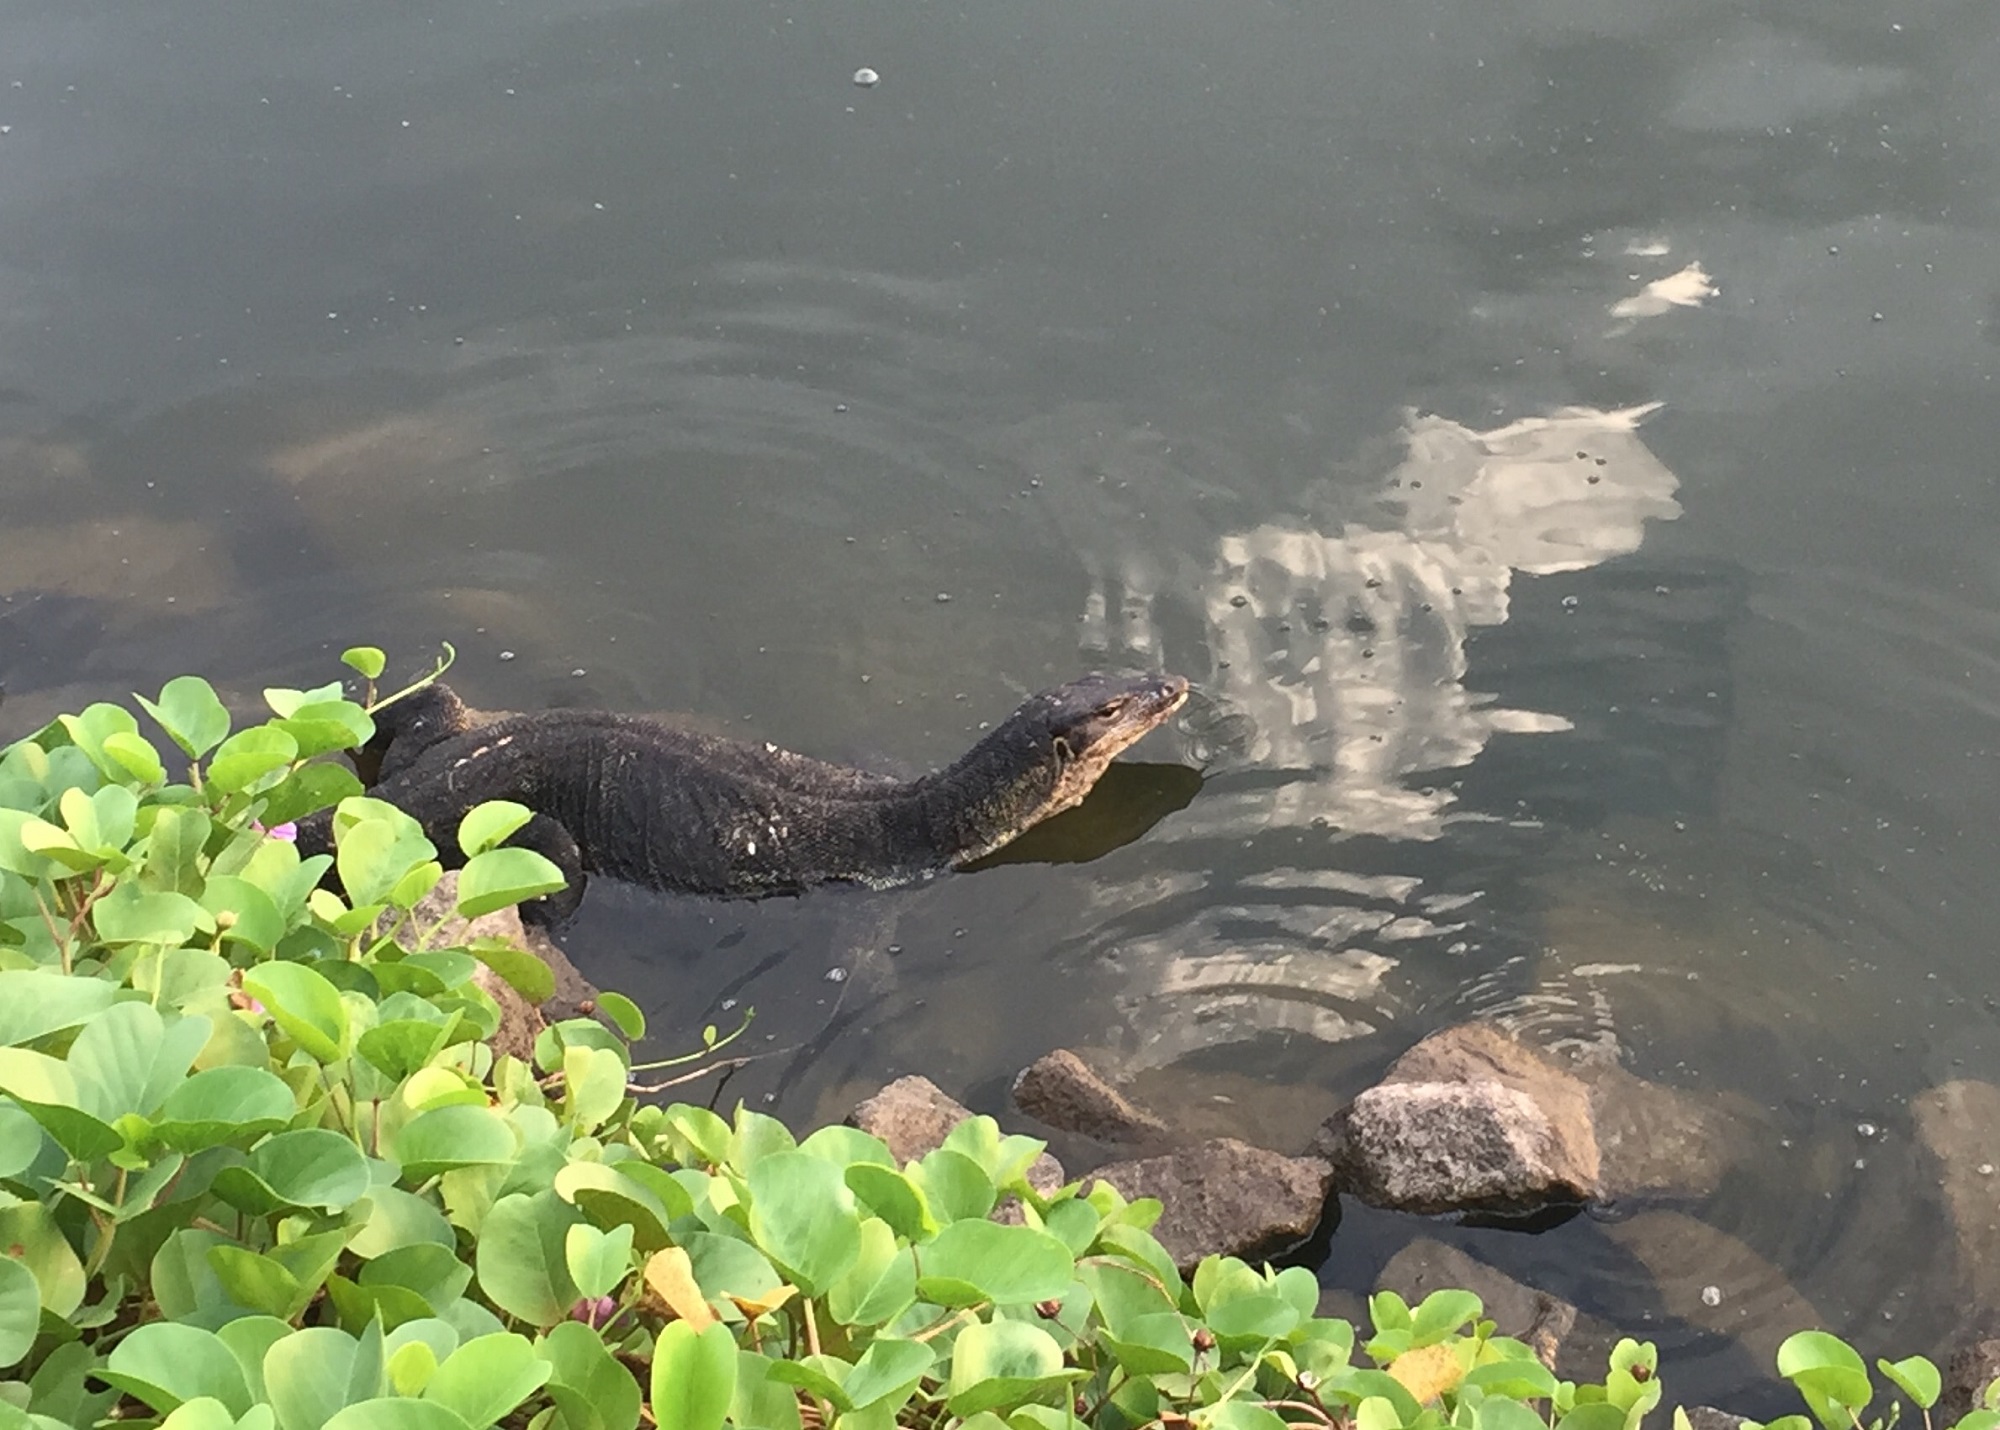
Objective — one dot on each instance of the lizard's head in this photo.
(1083, 725)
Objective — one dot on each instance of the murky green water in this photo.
(1299, 348)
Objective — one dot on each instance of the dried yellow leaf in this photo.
(670, 1275)
(755, 1306)
(1428, 1372)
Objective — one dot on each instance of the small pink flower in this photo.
(288, 831)
(594, 1311)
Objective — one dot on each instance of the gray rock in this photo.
(1432, 1147)
(913, 1116)
(1958, 1124)
(1472, 1119)
(1972, 1366)
(1707, 1417)
(1228, 1198)
(1063, 1091)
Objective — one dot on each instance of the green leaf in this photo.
(400, 1046)
(395, 1412)
(129, 1058)
(20, 1311)
(34, 1002)
(311, 1168)
(523, 972)
(454, 1136)
(955, 1187)
(250, 758)
(1389, 1312)
(1155, 1344)
(726, 1266)
(694, 1377)
(1441, 1315)
(630, 1194)
(304, 1004)
(1516, 1379)
(222, 1104)
(366, 659)
(1003, 1363)
(1500, 1413)
(32, 1237)
(803, 1217)
(311, 1374)
(700, 1137)
(974, 1261)
(484, 1379)
(880, 1284)
(888, 1370)
(893, 1197)
(243, 912)
(588, 1384)
(135, 757)
(505, 876)
(594, 1087)
(258, 1283)
(376, 845)
(96, 724)
(1823, 1365)
(173, 848)
(487, 826)
(598, 1261)
(522, 1261)
(622, 1011)
(190, 713)
(1595, 1416)
(49, 1093)
(1916, 1377)
(762, 1402)
(165, 1364)
(129, 915)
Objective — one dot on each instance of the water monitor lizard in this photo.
(686, 812)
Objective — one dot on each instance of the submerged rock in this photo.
(1227, 1198)
(1063, 1091)
(1710, 1279)
(1973, 1365)
(1544, 1321)
(1958, 1124)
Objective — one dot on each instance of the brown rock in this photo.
(1226, 1197)
(1958, 1124)
(1062, 1090)
(1707, 1417)
(521, 1022)
(913, 1116)
(1658, 1141)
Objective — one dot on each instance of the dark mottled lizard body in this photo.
(686, 812)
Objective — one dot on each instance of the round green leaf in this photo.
(693, 1377)
(598, 1261)
(588, 1384)
(249, 757)
(521, 1259)
(395, 1412)
(243, 912)
(454, 1136)
(624, 1013)
(129, 915)
(311, 1374)
(487, 826)
(803, 1217)
(20, 1311)
(365, 658)
(34, 1002)
(484, 1379)
(504, 876)
(304, 1004)
(135, 757)
(311, 1168)
(164, 1363)
(1002, 1363)
(190, 713)
(1916, 1377)
(1826, 1365)
(973, 1261)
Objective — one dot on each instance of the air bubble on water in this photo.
(1866, 1129)
(867, 78)
(1711, 1295)
(943, 597)
(506, 655)
(836, 975)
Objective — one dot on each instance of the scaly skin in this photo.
(675, 810)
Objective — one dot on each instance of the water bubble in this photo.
(1239, 601)
(578, 673)
(1570, 603)
(894, 949)
(1985, 1169)
(943, 597)
(836, 975)
(1866, 1129)
(867, 78)
(506, 655)
(1711, 1295)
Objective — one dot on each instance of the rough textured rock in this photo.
(1473, 1119)
(1536, 1317)
(1432, 1147)
(1958, 1124)
(1972, 1366)
(520, 1021)
(913, 1116)
(1062, 1090)
(1692, 1263)
(1707, 1417)
(1227, 1197)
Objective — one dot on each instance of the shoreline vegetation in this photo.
(277, 1157)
